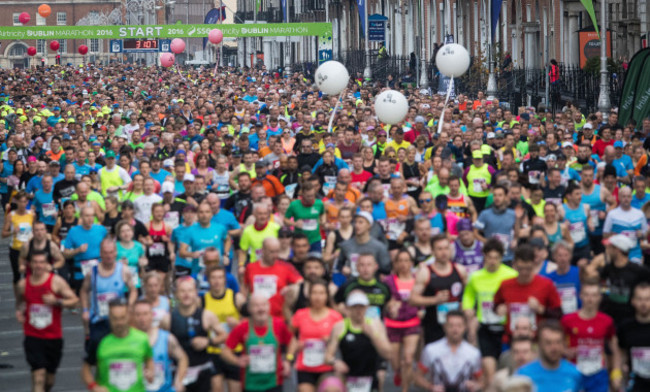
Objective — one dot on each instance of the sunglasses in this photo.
(425, 200)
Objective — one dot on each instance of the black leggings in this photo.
(13, 258)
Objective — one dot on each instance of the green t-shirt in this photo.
(480, 290)
(92, 196)
(310, 217)
(251, 240)
(120, 361)
(132, 256)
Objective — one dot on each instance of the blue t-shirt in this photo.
(568, 286)
(638, 203)
(178, 236)
(227, 219)
(199, 237)
(78, 236)
(81, 170)
(34, 184)
(625, 161)
(379, 211)
(45, 207)
(7, 170)
(179, 188)
(566, 378)
(160, 176)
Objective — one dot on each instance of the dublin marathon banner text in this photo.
(166, 31)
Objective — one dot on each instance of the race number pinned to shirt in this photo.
(122, 374)
(489, 315)
(641, 361)
(40, 316)
(266, 285)
(518, 310)
(577, 231)
(172, 219)
(354, 259)
(589, 359)
(359, 384)
(262, 358)
(87, 266)
(309, 224)
(103, 299)
(24, 232)
(313, 354)
(394, 228)
(158, 378)
(157, 249)
(477, 184)
(569, 298)
(49, 209)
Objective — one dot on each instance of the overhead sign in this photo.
(165, 31)
(116, 46)
(165, 45)
(377, 28)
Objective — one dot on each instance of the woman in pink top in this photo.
(401, 319)
(314, 326)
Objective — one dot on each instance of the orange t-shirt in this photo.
(313, 334)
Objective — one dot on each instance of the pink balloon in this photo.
(177, 46)
(31, 51)
(215, 36)
(167, 59)
(83, 49)
(24, 18)
(54, 45)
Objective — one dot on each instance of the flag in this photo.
(259, 5)
(496, 13)
(589, 6)
(212, 17)
(284, 11)
(635, 97)
(362, 15)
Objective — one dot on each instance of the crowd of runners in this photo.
(214, 233)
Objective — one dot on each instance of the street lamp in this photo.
(604, 104)
(367, 72)
(492, 80)
(424, 79)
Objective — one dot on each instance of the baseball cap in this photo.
(491, 135)
(477, 154)
(188, 177)
(567, 144)
(588, 126)
(357, 298)
(168, 163)
(623, 243)
(381, 133)
(420, 119)
(537, 243)
(464, 225)
(55, 163)
(167, 187)
(110, 154)
(259, 164)
(365, 215)
(618, 144)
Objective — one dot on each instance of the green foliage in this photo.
(592, 66)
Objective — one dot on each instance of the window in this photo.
(18, 51)
(63, 46)
(17, 19)
(94, 45)
(40, 46)
(61, 18)
(40, 21)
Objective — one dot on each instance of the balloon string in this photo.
(329, 127)
(180, 73)
(442, 115)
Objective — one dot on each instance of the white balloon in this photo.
(332, 77)
(391, 107)
(452, 60)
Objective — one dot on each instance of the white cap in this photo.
(491, 135)
(168, 163)
(366, 215)
(167, 187)
(567, 144)
(621, 242)
(357, 298)
(588, 126)
(188, 177)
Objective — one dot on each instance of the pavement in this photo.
(15, 373)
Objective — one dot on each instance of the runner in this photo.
(18, 225)
(40, 242)
(41, 297)
(152, 289)
(438, 288)
(467, 250)
(308, 215)
(262, 337)
(362, 242)
(165, 349)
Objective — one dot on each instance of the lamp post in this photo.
(367, 72)
(492, 80)
(603, 97)
(424, 80)
(287, 60)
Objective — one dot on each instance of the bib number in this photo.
(578, 233)
(353, 265)
(313, 354)
(49, 209)
(359, 384)
(172, 219)
(589, 359)
(569, 298)
(158, 378)
(40, 316)
(521, 310)
(102, 303)
(266, 285)
(157, 249)
(122, 374)
(309, 224)
(24, 232)
(477, 184)
(262, 359)
(641, 361)
(489, 316)
(87, 266)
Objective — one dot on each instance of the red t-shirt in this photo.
(270, 281)
(589, 336)
(239, 335)
(516, 295)
(359, 180)
(599, 146)
(314, 335)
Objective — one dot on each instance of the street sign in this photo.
(165, 45)
(116, 46)
(377, 28)
(324, 55)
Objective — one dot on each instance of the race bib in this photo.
(595, 220)
(404, 295)
(313, 354)
(359, 384)
(172, 219)
(122, 374)
(505, 240)
(354, 258)
(24, 232)
(569, 298)
(103, 300)
(394, 228)
(262, 358)
(443, 309)
(258, 254)
(266, 285)
(135, 277)
(40, 316)
(641, 361)
(158, 378)
(533, 177)
(192, 374)
(577, 231)
(521, 310)
(489, 315)
(309, 224)
(157, 249)
(477, 184)
(87, 266)
(49, 209)
(589, 359)
(290, 190)
(373, 312)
